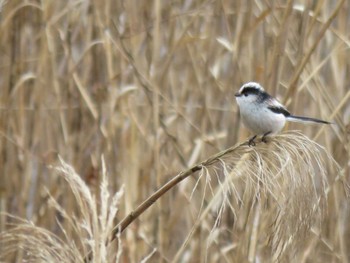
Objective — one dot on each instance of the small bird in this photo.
(262, 114)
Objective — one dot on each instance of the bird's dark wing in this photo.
(279, 109)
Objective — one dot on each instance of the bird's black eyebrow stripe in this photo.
(249, 90)
(279, 110)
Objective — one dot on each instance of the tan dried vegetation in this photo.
(137, 96)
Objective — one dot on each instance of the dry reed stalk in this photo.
(295, 78)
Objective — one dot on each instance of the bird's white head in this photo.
(249, 93)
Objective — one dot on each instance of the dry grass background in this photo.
(149, 86)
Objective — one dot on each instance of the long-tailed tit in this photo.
(262, 114)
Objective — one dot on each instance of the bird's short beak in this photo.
(238, 95)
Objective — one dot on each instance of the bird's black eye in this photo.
(246, 94)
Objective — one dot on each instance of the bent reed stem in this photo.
(124, 223)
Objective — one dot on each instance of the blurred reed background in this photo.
(149, 85)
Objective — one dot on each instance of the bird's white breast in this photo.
(259, 119)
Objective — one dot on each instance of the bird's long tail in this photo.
(305, 119)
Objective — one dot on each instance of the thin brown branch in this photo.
(169, 185)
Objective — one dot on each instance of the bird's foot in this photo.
(251, 141)
(264, 138)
